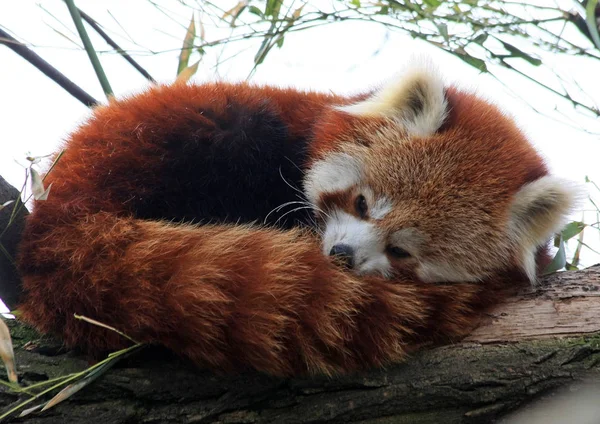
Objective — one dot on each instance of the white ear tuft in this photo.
(539, 210)
(416, 99)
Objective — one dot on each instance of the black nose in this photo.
(344, 253)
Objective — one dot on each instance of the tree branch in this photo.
(91, 22)
(534, 344)
(49, 70)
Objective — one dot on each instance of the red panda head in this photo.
(431, 179)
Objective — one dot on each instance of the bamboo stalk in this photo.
(89, 48)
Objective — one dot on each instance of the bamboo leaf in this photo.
(262, 52)
(45, 194)
(516, 52)
(188, 44)
(235, 11)
(202, 33)
(255, 11)
(473, 61)
(560, 259)
(480, 39)
(93, 370)
(188, 72)
(73, 388)
(37, 186)
(572, 229)
(7, 353)
(577, 254)
(443, 29)
(30, 410)
(571, 267)
(297, 12)
(433, 4)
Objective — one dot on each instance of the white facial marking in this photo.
(364, 238)
(380, 208)
(336, 172)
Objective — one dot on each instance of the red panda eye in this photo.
(397, 252)
(360, 204)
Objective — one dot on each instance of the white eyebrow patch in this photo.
(335, 172)
(380, 208)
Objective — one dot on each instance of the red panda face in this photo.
(435, 181)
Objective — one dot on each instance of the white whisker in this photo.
(289, 212)
(283, 205)
(302, 171)
(288, 183)
(315, 207)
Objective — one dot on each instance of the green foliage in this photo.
(571, 230)
(68, 384)
(591, 19)
(482, 33)
(187, 48)
(560, 259)
(475, 62)
(516, 52)
(272, 8)
(256, 11)
(574, 231)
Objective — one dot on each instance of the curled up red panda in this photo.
(248, 227)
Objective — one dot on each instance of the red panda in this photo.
(247, 227)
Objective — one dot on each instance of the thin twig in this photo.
(100, 324)
(114, 45)
(48, 70)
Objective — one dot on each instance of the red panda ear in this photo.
(538, 211)
(416, 100)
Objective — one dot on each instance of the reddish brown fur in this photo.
(227, 297)
(466, 174)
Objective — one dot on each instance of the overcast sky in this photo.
(36, 114)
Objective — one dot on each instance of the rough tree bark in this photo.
(10, 286)
(532, 345)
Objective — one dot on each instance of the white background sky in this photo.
(36, 114)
